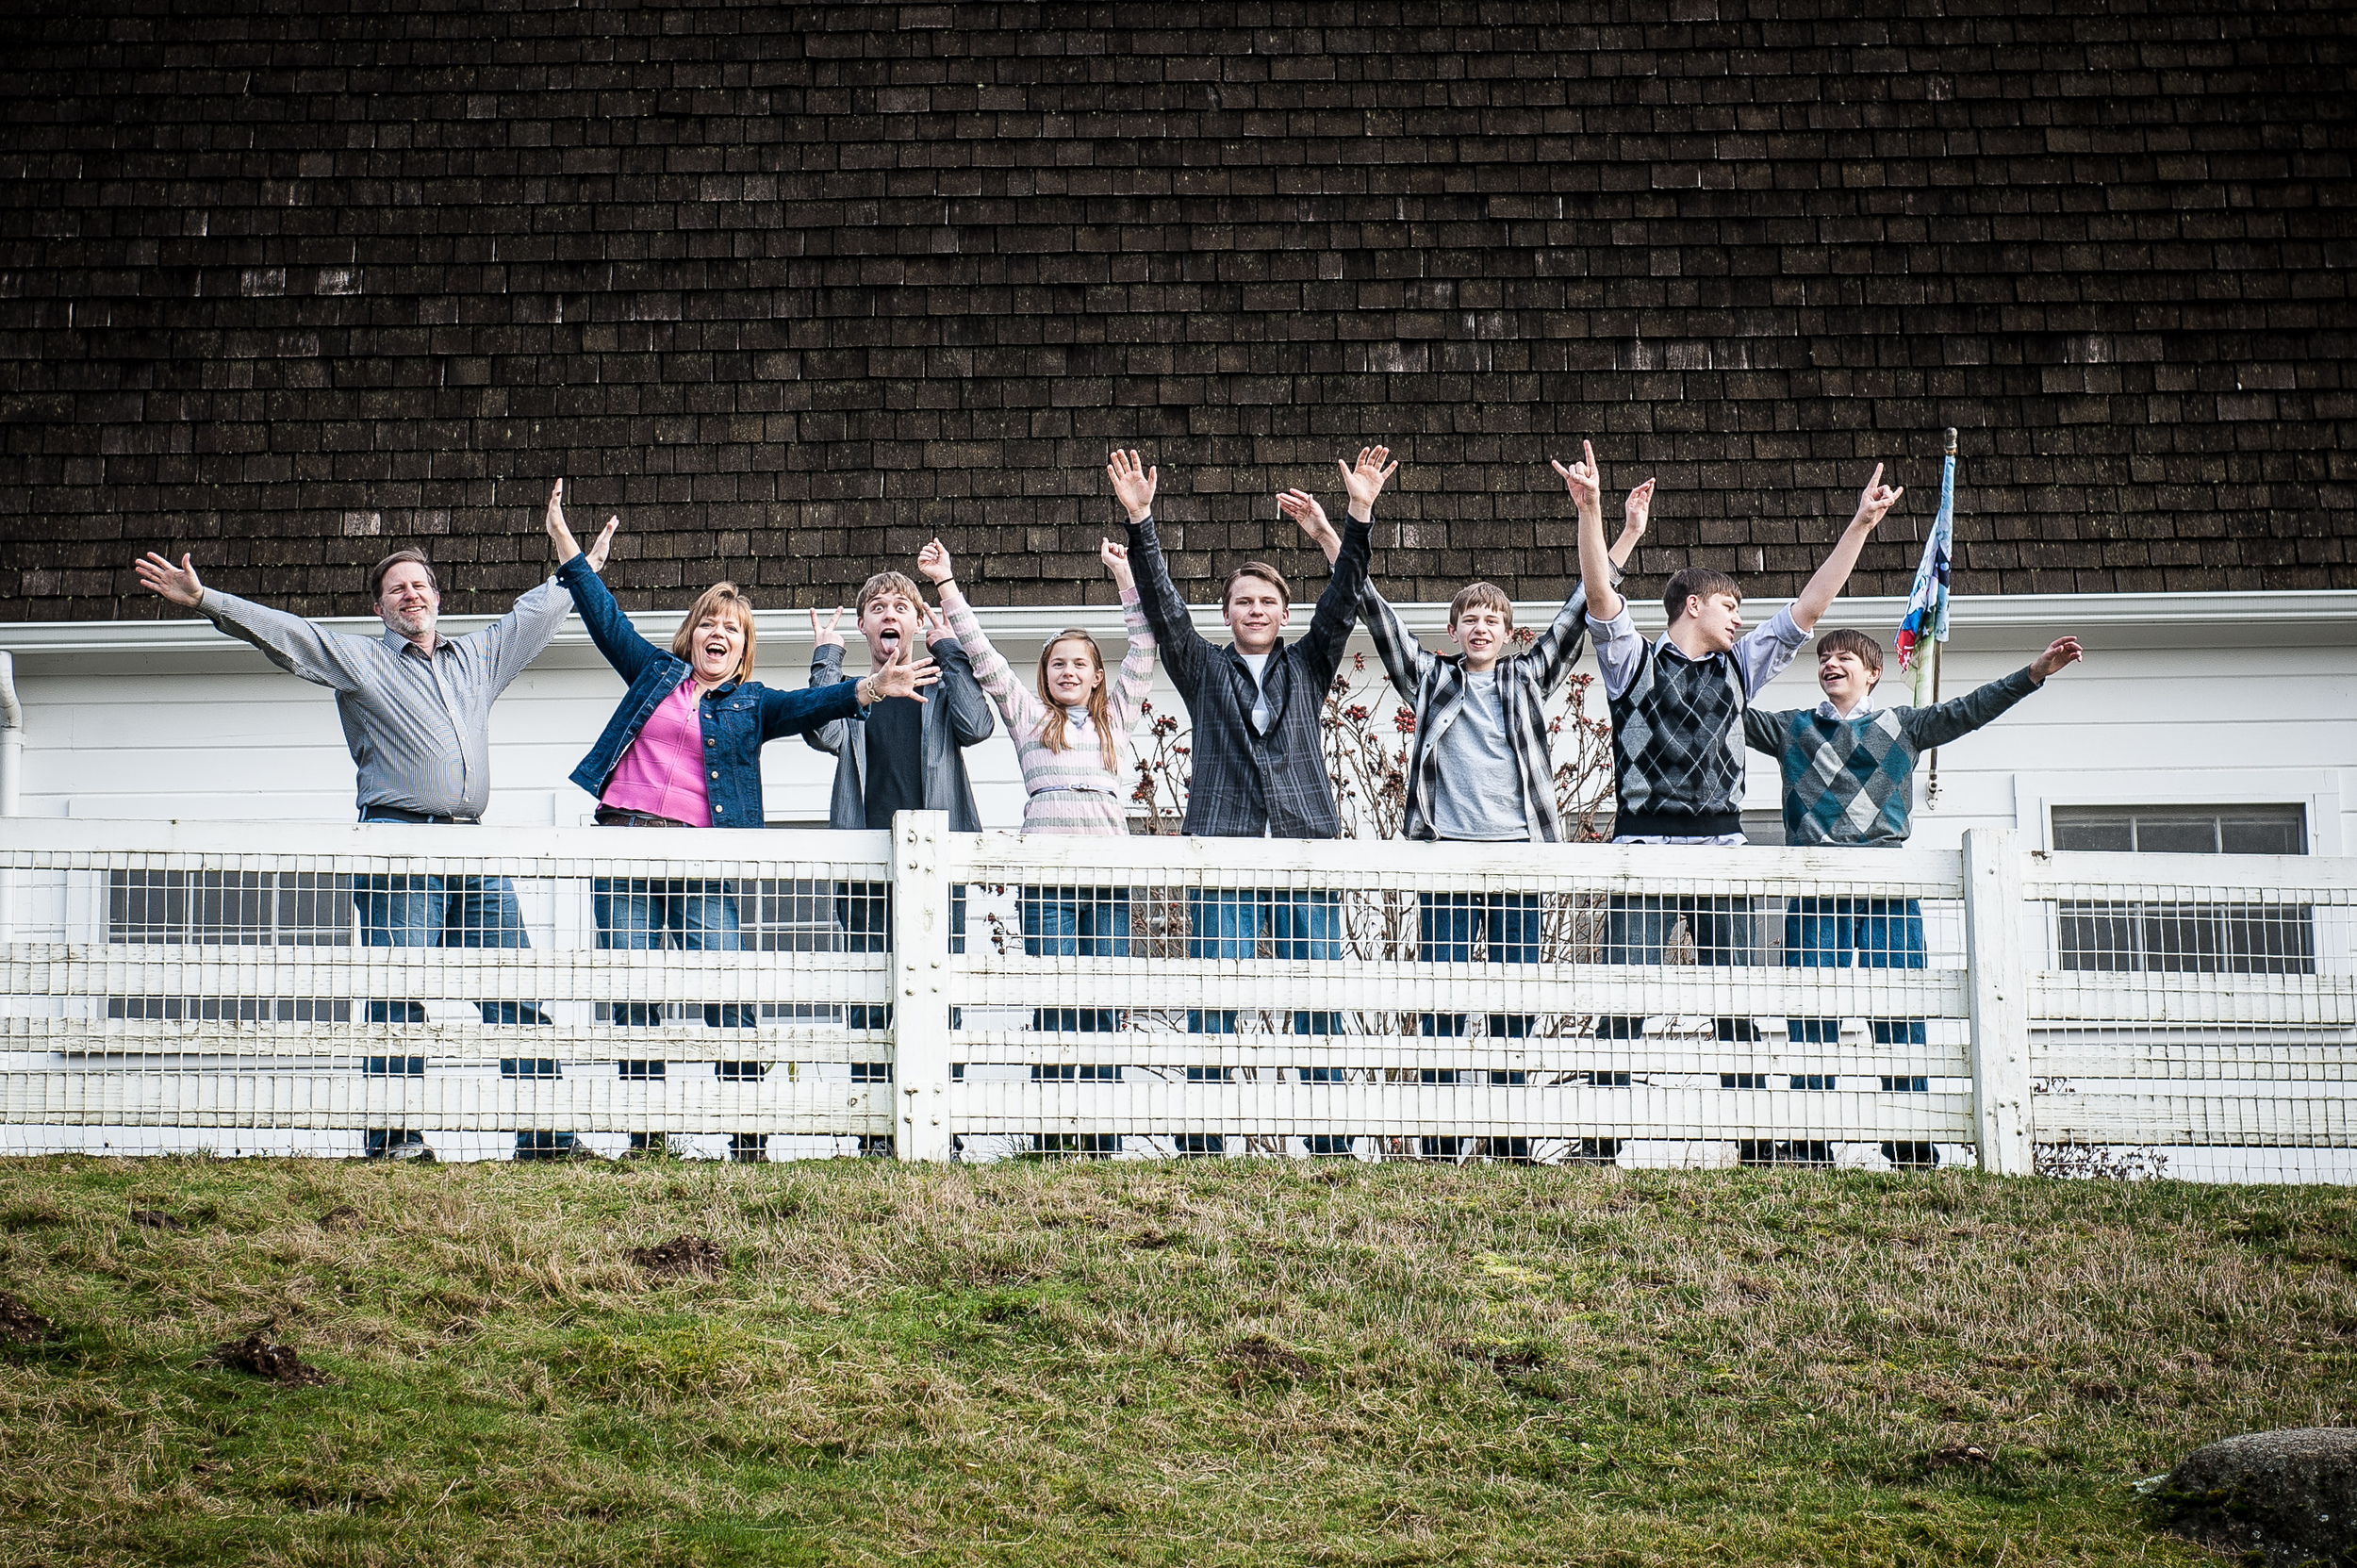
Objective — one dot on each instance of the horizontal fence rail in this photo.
(537, 993)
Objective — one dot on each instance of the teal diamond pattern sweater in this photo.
(1852, 781)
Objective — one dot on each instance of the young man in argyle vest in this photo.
(1678, 714)
(1849, 779)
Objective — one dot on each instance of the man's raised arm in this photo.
(1183, 647)
(1595, 563)
(289, 641)
(1825, 586)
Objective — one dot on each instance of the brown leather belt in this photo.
(614, 817)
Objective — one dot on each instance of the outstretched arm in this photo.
(1136, 680)
(1025, 714)
(290, 642)
(1595, 566)
(1961, 715)
(1873, 503)
(1184, 650)
(1404, 657)
(1557, 649)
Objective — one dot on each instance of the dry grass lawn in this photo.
(1221, 1361)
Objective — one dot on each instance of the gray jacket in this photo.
(956, 715)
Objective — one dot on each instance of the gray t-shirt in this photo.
(1477, 790)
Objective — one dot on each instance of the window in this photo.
(282, 909)
(2281, 830)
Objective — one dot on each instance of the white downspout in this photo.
(11, 764)
(11, 735)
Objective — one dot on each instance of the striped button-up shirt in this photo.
(419, 726)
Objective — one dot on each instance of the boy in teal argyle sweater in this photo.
(1849, 779)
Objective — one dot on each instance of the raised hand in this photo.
(1875, 501)
(176, 583)
(2060, 652)
(933, 564)
(829, 636)
(1116, 559)
(1134, 483)
(902, 675)
(1637, 510)
(604, 545)
(937, 628)
(1365, 482)
(1583, 479)
(553, 520)
(1310, 518)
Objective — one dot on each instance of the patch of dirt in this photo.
(2100, 1394)
(156, 1219)
(1259, 1353)
(277, 1363)
(31, 1216)
(1504, 1359)
(21, 1324)
(343, 1217)
(1152, 1241)
(680, 1255)
(1959, 1456)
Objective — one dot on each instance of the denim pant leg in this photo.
(1635, 925)
(1051, 922)
(1101, 923)
(1224, 922)
(1817, 935)
(1889, 936)
(1513, 926)
(482, 912)
(398, 912)
(1306, 925)
(629, 920)
(702, 916)
(1445, 928)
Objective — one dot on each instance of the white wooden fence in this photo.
(172, 986)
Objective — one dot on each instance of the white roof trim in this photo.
(1032, 623)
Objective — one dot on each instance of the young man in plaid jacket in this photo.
(1481, 765)
(1259, 769)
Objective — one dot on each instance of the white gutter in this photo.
(1021, 623)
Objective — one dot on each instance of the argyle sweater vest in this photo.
(1678, 747)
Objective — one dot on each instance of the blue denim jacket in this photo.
(738, 718)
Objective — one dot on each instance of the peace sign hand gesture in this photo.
(829, 636)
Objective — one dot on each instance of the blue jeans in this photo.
(1451, 925)
(1230, 922)
(441, 912)
(677, 914)
(1076, 922)
(1875, 934)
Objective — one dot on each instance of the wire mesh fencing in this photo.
(465, 992)
(484, 993)
(2195, 1015)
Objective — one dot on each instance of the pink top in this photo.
(663, 772)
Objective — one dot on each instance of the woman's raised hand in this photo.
(604, 545)
(553, 520)
(829, 636)
(1636, 510)
(1365, 481)
(1310, 518)
(1134, 483)
(176, 583)
(933, 564)
(1116, 559)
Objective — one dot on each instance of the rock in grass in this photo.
(20, 1325)
(2289, 1495)
(277, 1363)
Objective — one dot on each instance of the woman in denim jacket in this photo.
(683, 749)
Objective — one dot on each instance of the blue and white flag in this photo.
(1927, 601)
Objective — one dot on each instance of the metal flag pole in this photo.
(1927, 671)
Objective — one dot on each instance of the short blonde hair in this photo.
(714, 599)
(1487, 596)
(884, 583)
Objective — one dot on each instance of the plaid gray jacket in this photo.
(1246, 783)
(1434, 686)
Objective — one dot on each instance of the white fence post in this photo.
(1996, 951)
(920, 1002)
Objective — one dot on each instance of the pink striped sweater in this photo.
(1069, 791)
